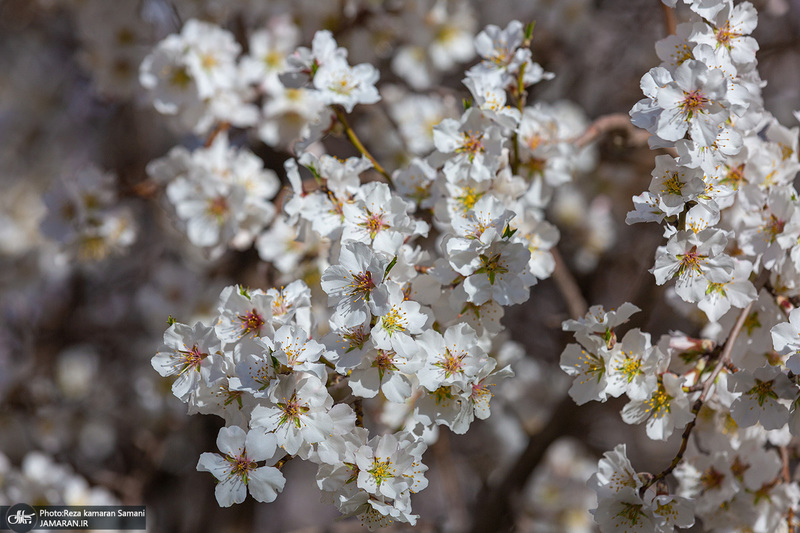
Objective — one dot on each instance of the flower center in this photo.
(735, 175)
(251, 323)
(471, 144)
(761, 391)
(773, 228)
(690, 262)
(394, 320)
(711, 479)
(491, 266)
(693, 101)
(725, 35)
(292, 411)
(630, 367)
(241, 466)
(592, 365)
(384, 362)
(374, 223)
(468, 198)
(218, 207)
(180, 78)
(658, 404)
(355, 337)
(442, 395)
(361, 285)
(381, 470)
(279, 306)
(191, 359)
(344, 84)
(451, 363)
(673, 185)
(631, 513)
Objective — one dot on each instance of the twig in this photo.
(221, 127)
(670, 22)
(724, 359)
(451, 485)
(576, 303)
(603, 125)
(787, 478)
(495, 512)
(358, 407)
(351, 135)
(786, 472)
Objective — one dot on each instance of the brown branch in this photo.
(448, 474)
(221, 127)
(605, 124)
(495, 512)
(670, 22)
(724, 359)
(351, 135)
(576, 303)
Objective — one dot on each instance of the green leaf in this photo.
(390, 266)
(171, 320)
(529, 30)
(508, 232)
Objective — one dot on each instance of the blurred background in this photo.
(84, 418)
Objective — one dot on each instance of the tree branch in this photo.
(724, 359)
(351, 135)
(670, 22)
(495, 512)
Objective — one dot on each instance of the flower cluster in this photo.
(415, 271)
(85, 218)
(362, 192)
(724, 194)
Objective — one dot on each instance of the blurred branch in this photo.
(351, 135)
(496, 509)
(576, 303)
(670, 21)
(457, 515)
(608, 123)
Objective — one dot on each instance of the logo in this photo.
(21, 518)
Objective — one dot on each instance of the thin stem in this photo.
(221, 127)
(576, 303)
(786, 471)
(724, 359)
(327, 363)
(351, 135)
(725, 356)
(670, 22)
(603, 125)
(358, 407)
(522, 96)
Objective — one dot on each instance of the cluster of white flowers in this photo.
(395, 222)
(724, 194)
(416, 269)
(221, 193)
(85, 218)
(42, 480)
